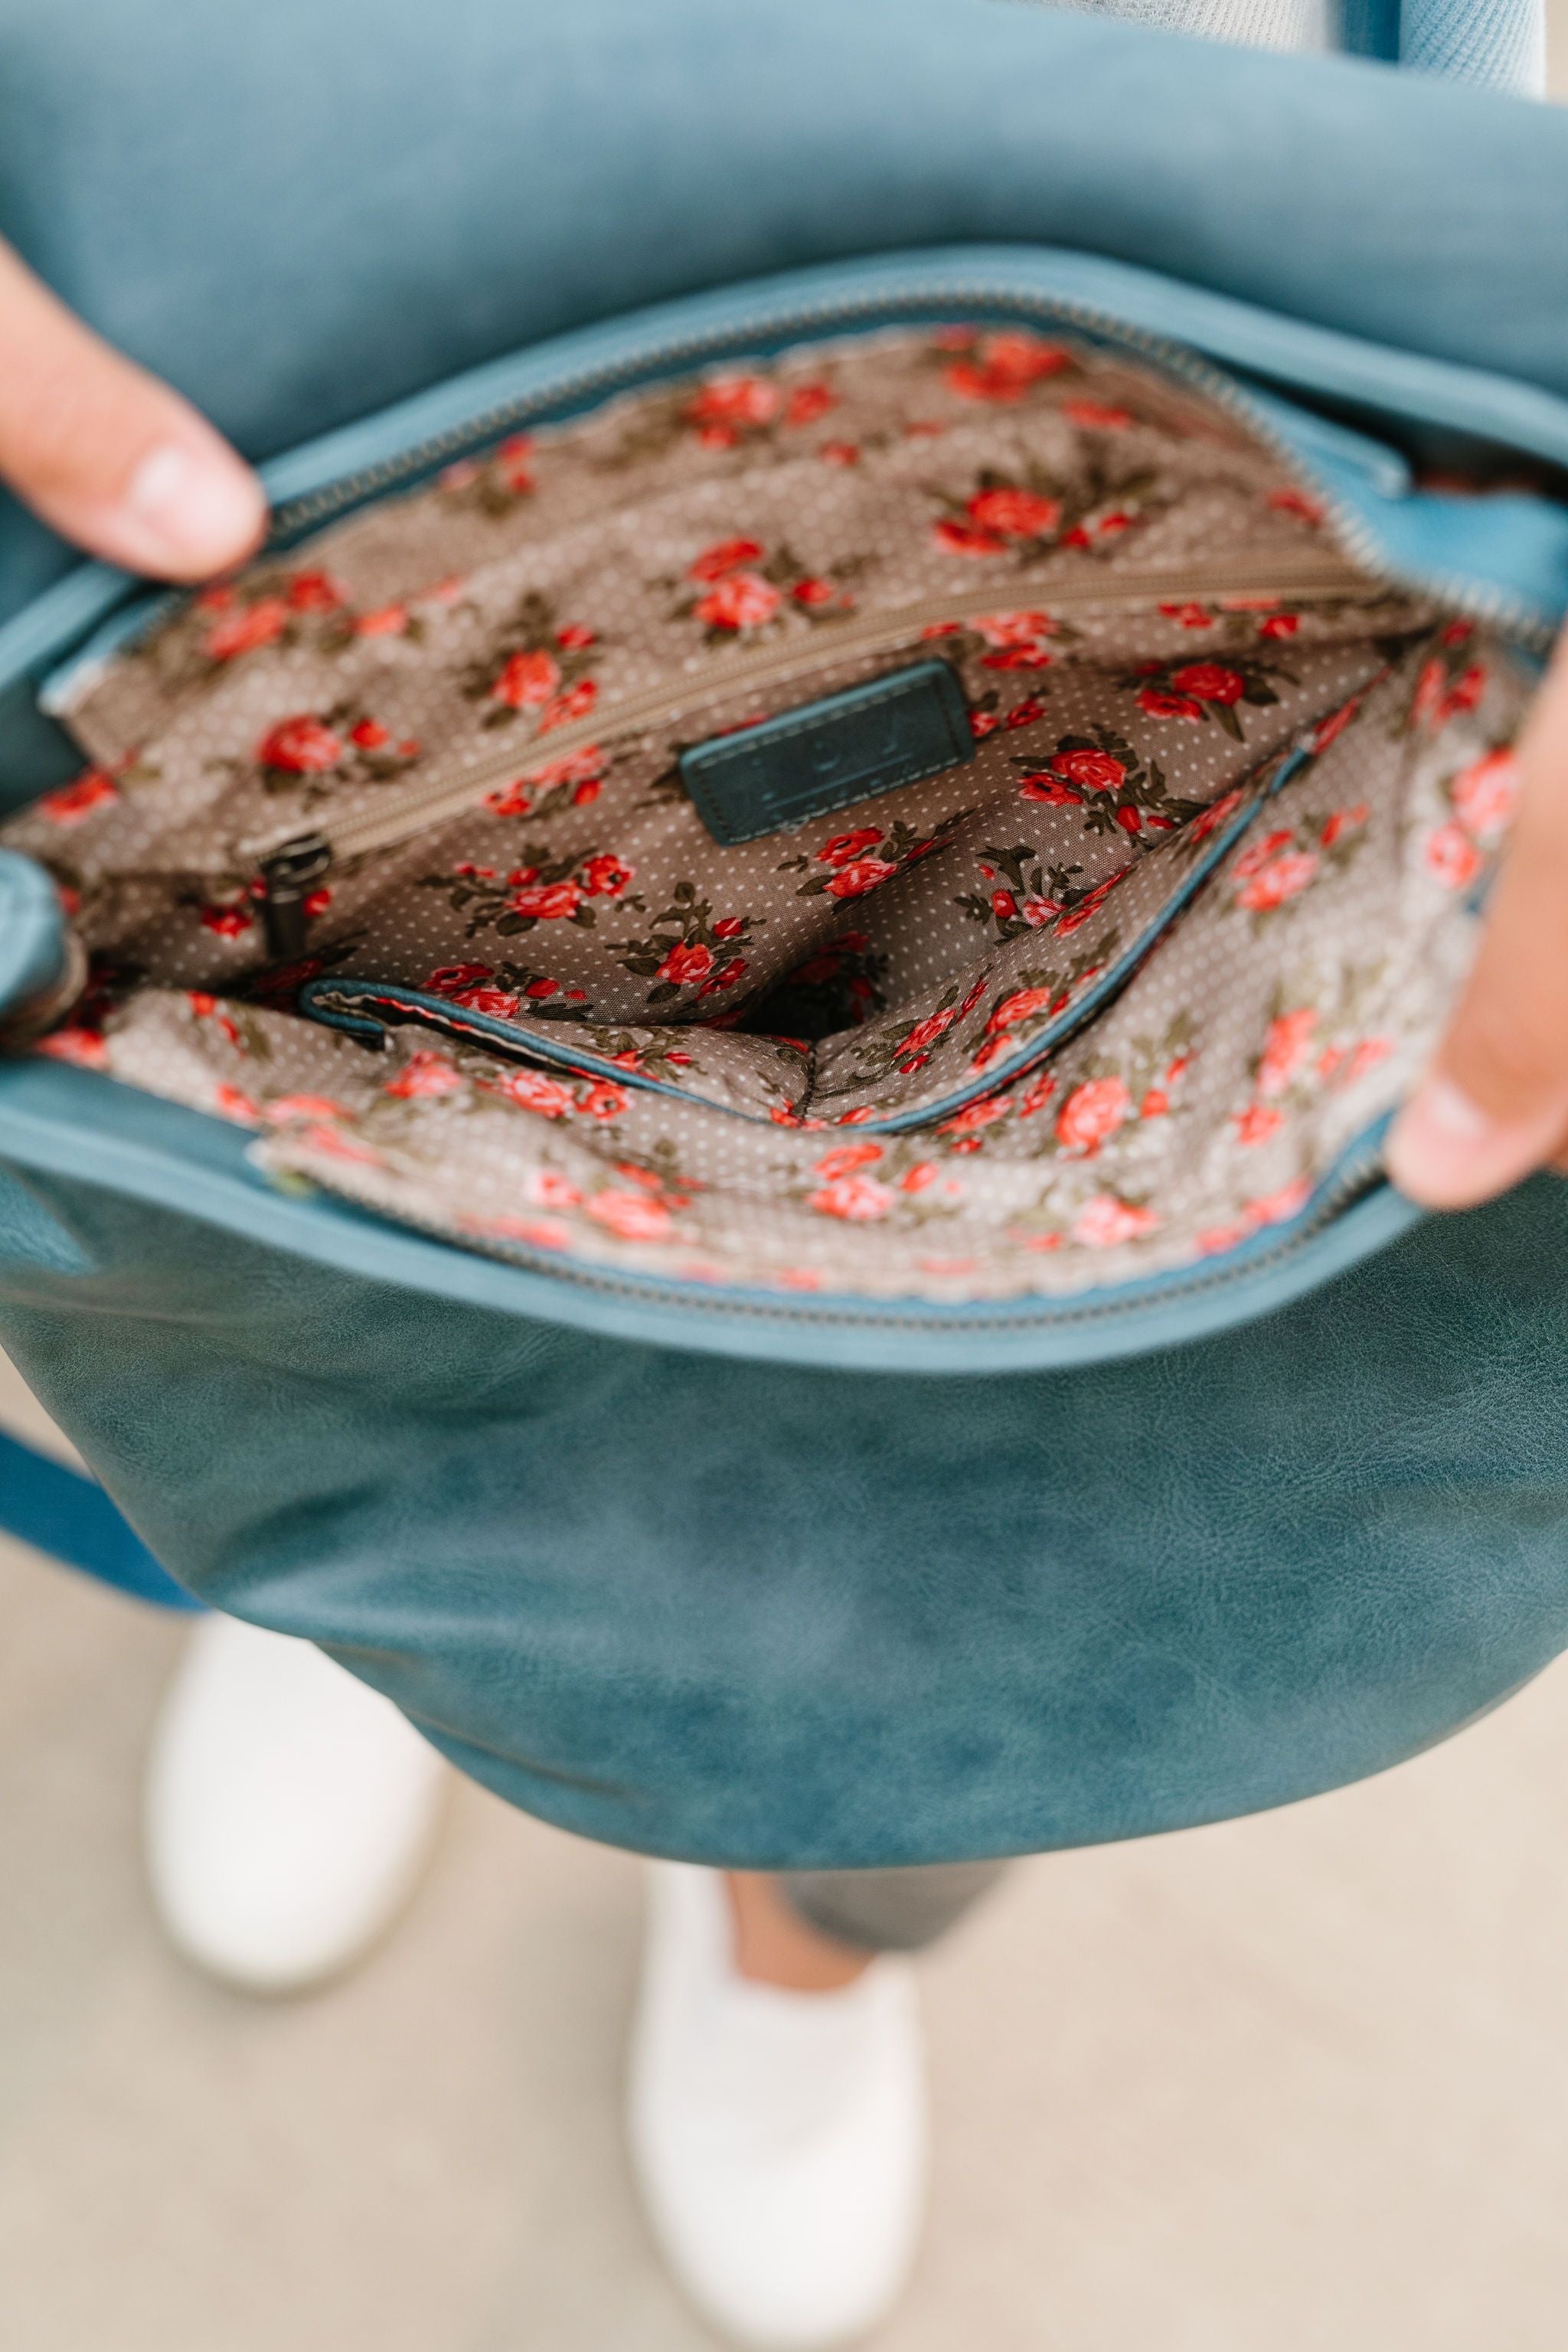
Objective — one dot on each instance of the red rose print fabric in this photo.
(1107, 998)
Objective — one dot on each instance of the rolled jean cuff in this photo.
(888, 1910)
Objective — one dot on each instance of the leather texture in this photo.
(778, 1617)
(742, 1610)
(829, 754)
(32, 955)
(320, 241)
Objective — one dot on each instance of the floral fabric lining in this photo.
(972, 1039)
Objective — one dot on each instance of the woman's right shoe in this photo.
(778, 2138)
(290, 1810)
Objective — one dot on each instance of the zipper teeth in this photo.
(890, 305)
(1487, 604)
(1359, 1171)
(1055, 1033)
(384, 826)
(1355, 536)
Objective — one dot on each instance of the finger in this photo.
(108, 455)
(1495, 1103)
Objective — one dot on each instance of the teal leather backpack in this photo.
(702, 1079)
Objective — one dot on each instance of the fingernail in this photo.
(197, 513)
(1444, 1144)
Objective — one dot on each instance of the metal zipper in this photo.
(281, 861)
(892, 307)
(1358, 1172)
(560, 1054)
(290, 866)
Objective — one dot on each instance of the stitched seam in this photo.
(878, 689)
(454, 1025)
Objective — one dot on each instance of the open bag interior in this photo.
(407, 849)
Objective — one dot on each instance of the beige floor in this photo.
(1294, 2083)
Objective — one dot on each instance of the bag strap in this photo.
(1501, 44)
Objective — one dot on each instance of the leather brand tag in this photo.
(826, 755)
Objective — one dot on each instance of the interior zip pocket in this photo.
(398, 1196)
(367, 1009)
(288, 868)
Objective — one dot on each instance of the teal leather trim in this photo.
(58, 1122)
(32, 933)
(1370, 28)
(332, 1001)
(1519, 546)
(337, 1005)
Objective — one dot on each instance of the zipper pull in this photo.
(289, 876)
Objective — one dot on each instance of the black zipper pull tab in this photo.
(289, 874)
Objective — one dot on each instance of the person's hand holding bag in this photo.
(111, 457)
(1494, 1106)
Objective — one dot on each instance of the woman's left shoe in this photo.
(290, 1810)
(778, 2138)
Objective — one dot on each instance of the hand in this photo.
(108, 455)
(1494, 1105)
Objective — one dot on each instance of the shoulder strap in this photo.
(1501, 44)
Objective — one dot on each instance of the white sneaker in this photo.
(289, 1809)
(778, 2138)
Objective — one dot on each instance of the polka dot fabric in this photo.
(1107, 997)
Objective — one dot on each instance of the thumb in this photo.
(108, 455)
(1495, 1105)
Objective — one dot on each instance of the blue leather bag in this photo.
(793, 1578)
